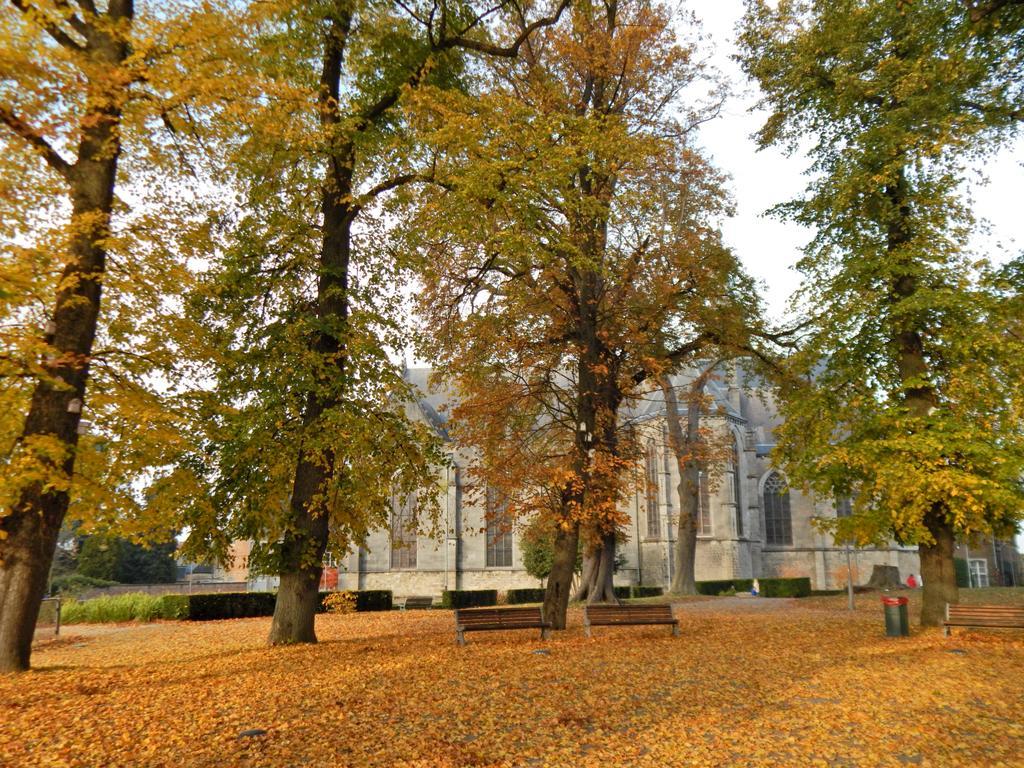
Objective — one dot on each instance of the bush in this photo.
(517, 596)
(124, 561)
(338, 602)
(174, 607)
(468, 598)
(114, 608)
(230, 605)
(798, 587)
(74, 584)
(364, 599)
(635, 590)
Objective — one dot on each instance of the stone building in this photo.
(751, 524)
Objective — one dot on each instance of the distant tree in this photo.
(126, 562)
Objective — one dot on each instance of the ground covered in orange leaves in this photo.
(750, 682)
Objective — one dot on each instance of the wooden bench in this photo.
(628, 615)
(414, 603)
(482, 619)
(997, 616)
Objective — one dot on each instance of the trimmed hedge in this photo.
(798, 587)
(367, 599)
(516, 596)
(230, 605)
(624, 593)
(468, 598)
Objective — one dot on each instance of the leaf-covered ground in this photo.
(788, 683)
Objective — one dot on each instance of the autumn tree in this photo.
(85, 425)
(902, 397)
(308, 443)
(565, 235)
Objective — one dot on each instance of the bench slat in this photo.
(483, 619)
(628, 615)
(992, 616)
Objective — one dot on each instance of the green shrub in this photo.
(798, 587)
(468, 598)
(230, 605)
(74, 584)
(112, 608)
(517, 596)
(174, 607)
(724, 585)
(365, 600)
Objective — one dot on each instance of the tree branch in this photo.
(41, 145)
(50, 27)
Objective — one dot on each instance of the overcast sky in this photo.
(759, 180)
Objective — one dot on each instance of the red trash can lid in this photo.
(895, 601)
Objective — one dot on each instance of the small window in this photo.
(653, 513)
(778, 522)
(844, 506)
(403, 532)
(499, 532)
(979, 572)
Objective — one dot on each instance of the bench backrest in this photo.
(419, 602)
(484, 617)
(1012, 615)
(626, 613)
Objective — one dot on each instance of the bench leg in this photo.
(545, 634)
(945, 631)
(460, 638)
(586, 630)
(675, 630)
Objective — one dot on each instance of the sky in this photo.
(760, 179)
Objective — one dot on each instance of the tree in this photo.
(322, 145)
(124, 561)
(78, 96)
(904, 395)
(567, 258)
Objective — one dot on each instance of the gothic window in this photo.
(499, 532)
(403, 532)
(704, 505)
(736, 483)
(844, 506)
(651, 467)
(778, 523)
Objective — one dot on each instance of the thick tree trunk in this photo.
(590, 564)
(303, 549)
(31, 529)
(556, 593)
(685, 447)
(597, 585)
(938, 571)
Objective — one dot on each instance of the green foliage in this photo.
(174, 606)
(119, 608)
(537, 545)
(468, 598)
(517, 596)
(770, 587)
(75, 583)
(126, 562)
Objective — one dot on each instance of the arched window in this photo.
(778, 523)
(651, 472)
(403, 532)
(736, 483)
(704, 505)
(499, 532)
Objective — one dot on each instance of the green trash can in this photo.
(897, 620)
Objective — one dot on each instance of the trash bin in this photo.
(897, 621)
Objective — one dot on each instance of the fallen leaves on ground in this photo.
(804, 684)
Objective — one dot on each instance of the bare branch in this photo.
(49, 26)
(36, 140)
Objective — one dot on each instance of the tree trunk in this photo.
(563, 566)
(31, 529)
(686, 449)
(590, 563)
(304, 545)
(937, 571)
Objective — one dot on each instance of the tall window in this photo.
(499, 532)
(403, 532)
(778, 522)
(653, 515)
(978, 572)
(703, 505)
(844, 506)
(736, 483)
